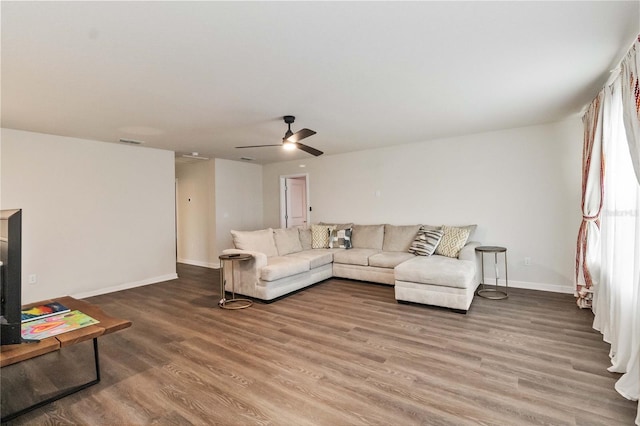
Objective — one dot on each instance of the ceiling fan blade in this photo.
(300, 134)
(257, 146)
(309, 149)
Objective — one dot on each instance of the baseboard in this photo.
(213, 265)
(125, 286)
(554, 288)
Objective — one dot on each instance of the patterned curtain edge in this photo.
(583, 277)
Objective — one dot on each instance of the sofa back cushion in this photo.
(305, 238)
(287, 241)
(261, 241)
(367, 236)
(338, 226)
(399, 238)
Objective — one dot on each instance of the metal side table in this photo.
(232, 303)
(495, 293)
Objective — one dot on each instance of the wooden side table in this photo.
(232, 303)
(495, 293)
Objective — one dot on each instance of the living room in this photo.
(101, 217)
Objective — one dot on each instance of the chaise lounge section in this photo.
(287, 260)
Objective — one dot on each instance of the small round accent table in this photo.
(495, 293)
(232, 303)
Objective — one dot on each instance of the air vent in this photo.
(131, 141)
(247, 159)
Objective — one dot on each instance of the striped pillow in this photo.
(426, 241)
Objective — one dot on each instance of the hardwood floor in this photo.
(342, 353)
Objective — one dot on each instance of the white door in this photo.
(296, 196)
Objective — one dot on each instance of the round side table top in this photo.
(236, 256)
(491, 249)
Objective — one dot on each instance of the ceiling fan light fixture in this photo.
(288, 146)
(291, 140)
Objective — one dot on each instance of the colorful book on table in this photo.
(43, 311)
(57, 324)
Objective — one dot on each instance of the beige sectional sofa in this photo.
(285, 261)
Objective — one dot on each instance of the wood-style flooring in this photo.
(343, 353)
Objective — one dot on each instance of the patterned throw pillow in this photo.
(320, 235)
(426, 241)
(340, 238)
(452, 241)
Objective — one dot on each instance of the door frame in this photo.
(283, 200)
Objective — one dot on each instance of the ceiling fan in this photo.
(291, 140)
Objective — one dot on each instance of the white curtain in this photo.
(616, 298)
(630, 74)
(629, 383)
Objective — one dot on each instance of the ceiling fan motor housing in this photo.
(288, 119)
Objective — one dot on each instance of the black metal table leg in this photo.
(62, 394)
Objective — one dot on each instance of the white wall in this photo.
(97, 217)
(196, 216)
(521, 186)
(239, 200)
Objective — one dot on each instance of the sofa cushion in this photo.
(367, 236)
(437, 270)
(315, 258)
(452, 241)
(355, 256)
(399, 238)
(426, 241)
(305, 238)
(281, 267)
(320, 235)
(261, 241)
(287, 241)
(389, 259)
(340, 238)
(338, 226)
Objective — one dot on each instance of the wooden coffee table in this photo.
(12, 354)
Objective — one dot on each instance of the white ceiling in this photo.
(209, 76)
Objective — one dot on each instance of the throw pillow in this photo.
(452, 241)
(320, 235)
(426, 241)
(340, 238)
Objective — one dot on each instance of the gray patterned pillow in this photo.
(340, 238)
(426, 241)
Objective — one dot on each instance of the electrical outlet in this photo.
(527, 261)
(33, 278)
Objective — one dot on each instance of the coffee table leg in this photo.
(65, 392)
